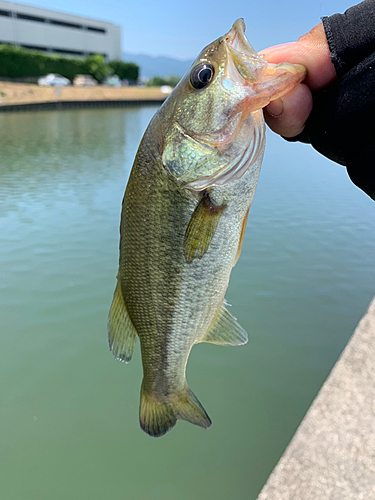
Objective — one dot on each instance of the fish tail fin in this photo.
(155, 417)
(158, 417)
(189, 408)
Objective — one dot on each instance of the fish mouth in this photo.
(246, 61)
(236, 38)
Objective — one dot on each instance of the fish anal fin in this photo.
(242, 235)
(122, 335)
(157, 416)
(202, 227)
(225, 330)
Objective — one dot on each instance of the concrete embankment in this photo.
(332, 455)
(22, 96)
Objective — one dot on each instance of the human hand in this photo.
(287, 116)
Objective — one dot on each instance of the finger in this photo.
(312, 51)
(287, 116)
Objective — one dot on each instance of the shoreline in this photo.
(31, 97)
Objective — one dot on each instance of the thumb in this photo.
(312, 51)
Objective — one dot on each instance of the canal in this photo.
(69, 411)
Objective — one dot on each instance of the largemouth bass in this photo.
(183, 221)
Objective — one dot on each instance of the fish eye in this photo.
(202, 75)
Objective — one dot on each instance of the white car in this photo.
(84, 81)
(53, 80)
(112, 80)
(166, 89)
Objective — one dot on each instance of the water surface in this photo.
(68, 411)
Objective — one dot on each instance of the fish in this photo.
(183, 221)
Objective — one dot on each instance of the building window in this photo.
(68, 52)
(26, 17)
(32, 47)
(106, 56)
(65, 24)
(97, 30)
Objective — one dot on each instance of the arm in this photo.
(334, 108)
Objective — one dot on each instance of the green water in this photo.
(68, 411)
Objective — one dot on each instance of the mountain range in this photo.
(157, 66)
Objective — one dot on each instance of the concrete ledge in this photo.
(332, 455)
(29, 97)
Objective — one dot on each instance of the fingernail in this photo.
(275, 48)
(275, 108)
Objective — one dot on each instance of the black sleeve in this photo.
(342, 123)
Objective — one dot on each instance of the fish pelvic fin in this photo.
(157, 417)
(122, 335)
(201, 228)
(225, 330)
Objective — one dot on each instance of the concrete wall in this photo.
(85, 36)
(332, 455)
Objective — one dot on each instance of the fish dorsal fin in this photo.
(225, 330)
(201, 228)
(122, 335)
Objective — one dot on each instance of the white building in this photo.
(57, 32)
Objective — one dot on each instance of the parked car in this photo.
(53, 80)
(112, 80)
(166, 89)
(84, 81)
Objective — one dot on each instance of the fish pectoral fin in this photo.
(201, 228)
(122, 335)
(225, 330)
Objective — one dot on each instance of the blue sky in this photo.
(181, 29)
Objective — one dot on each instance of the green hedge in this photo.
(16, 62)
(158, 81)
(124, 70)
